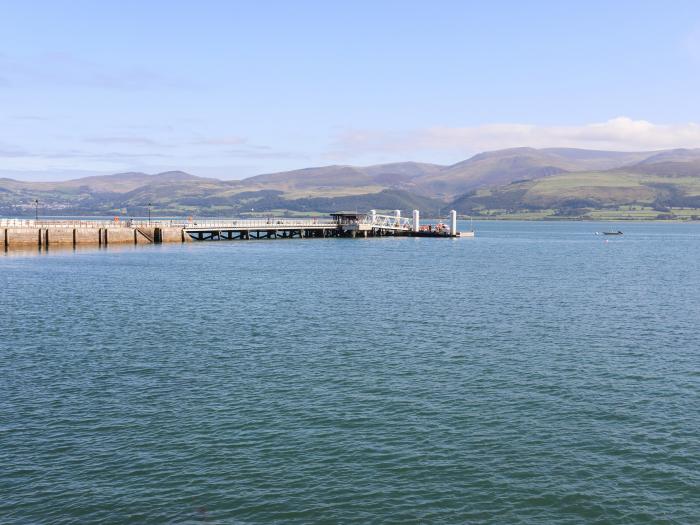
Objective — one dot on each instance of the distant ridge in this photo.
(514, 178)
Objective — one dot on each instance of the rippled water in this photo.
(535, 374)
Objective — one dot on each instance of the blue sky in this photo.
(231, 89)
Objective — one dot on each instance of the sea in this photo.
(536, 373)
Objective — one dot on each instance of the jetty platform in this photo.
(45, 233)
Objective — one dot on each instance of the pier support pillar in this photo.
(453, 223)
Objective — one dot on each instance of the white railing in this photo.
(387, 222)
(163, 223)
(261, 223)
(42, 223)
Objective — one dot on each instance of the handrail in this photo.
(375, 221)
(32, 223)
(136, 223)
(252, 223)
(387, 222)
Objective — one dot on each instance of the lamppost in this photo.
(36, 210)
(149, 213)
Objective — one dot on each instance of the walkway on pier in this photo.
(273, 228)
(49, 232)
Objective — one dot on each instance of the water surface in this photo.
(534, 374)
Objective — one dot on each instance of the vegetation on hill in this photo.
(655, 188)
(520, 182)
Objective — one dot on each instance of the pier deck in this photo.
(45, 233)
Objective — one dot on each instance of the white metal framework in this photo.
(387, 222)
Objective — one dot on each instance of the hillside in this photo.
(505, 166)
(657, 186)
(192, 195)
(347, 176)
(511, 180)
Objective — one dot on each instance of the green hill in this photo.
(646, 187)
(501, 167)
(523, 182)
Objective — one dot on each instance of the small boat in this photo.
(618, 232)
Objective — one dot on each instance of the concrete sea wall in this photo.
(22, 236)
(44, 237)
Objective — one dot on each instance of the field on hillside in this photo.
(619, 193)
(618, 213)
(517, 182)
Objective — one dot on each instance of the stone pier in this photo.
(45, 237)
(64, 232)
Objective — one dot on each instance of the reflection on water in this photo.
(67, 249)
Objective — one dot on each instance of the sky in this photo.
(231, 89)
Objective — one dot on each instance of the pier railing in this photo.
(261, 223)
(387, 222)
(169, 223)
(42, 223)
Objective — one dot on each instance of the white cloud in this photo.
(621, 133)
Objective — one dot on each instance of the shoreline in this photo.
(427, 218)
(551, 219)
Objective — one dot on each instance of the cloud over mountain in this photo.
(621, 134)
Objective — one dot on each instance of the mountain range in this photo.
(511, 180)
